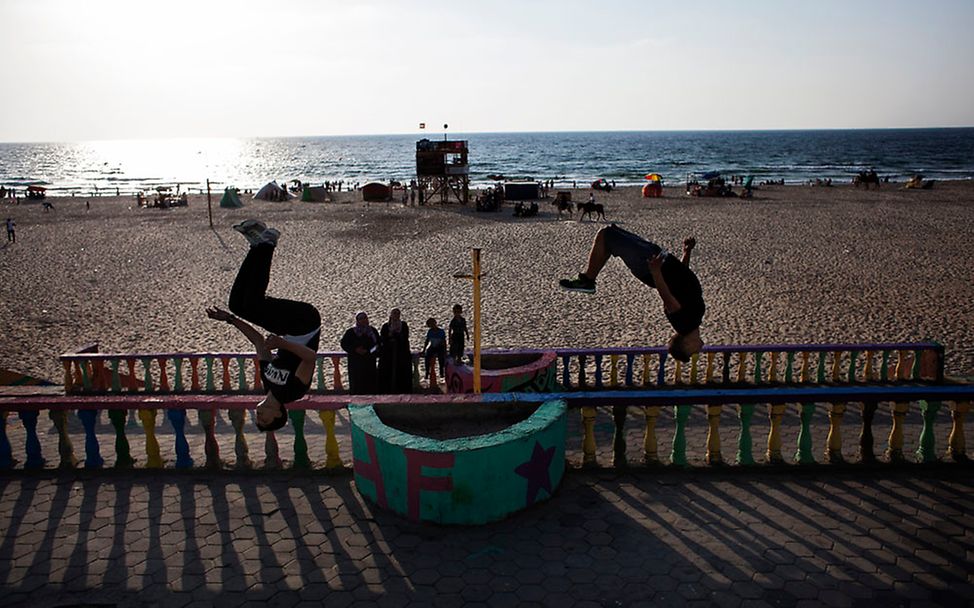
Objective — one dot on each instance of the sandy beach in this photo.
(795, 264)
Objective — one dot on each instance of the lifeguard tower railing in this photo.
(901, 374)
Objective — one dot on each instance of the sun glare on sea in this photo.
(166, 159)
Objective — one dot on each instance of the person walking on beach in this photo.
(295, 328)
(395, 357)
(361, 342)
(11, 231)
(672, 278)
(458, 330)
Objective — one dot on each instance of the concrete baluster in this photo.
(237, 419)
(272, 456)
(956, 445)
(619, 436)
(64, 447)
(833, 443)
(714, 456)
(775, 413)
(745, 449)
(6, 450)
(210, 446)
(803, 455)
(153, 457)
(177, 418)
(895, 450)
(588, 436)
(337, 369)
(163, 377)
(332, 458)
(927, 446)
(650, 446)
(32, 447)
(123, 454)
(678, 454)
(301, 459)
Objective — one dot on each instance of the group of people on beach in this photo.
(381, 361)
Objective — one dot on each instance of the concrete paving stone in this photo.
(790, 572)
(476, 593)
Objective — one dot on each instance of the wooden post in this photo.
(476, 277)
(209, 202)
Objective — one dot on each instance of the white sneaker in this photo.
(251, 229)
(269, 237)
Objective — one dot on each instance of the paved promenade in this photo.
(863, 536)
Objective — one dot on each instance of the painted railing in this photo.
(929, 399)
(721, 375)
(607, 368)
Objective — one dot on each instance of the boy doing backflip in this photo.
(672, 278)
(295, 328)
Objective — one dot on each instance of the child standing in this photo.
(435, 347)
(458, 330)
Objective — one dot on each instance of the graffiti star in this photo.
(536, 471)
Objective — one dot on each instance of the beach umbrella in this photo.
(654, 177)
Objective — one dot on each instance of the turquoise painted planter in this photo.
(461, 480)
(507, 373)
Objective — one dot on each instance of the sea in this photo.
(625, 157)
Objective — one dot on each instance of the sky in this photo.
(76, 70)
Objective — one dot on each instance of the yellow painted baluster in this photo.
(895, 450)
(956, 448)
(773, 362)
(709, 377)
(650, 446)
(868, 372)
(833, 443)
(693, 368)
(613, 370)
(588, 438)
(153, 457)
(332, 459)
(713, 435)
(645, 370)
(775, 414)
(741, 366)
(901, 366)
(804, 372)
(678, 372)
(836, 360)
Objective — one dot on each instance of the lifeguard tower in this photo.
(442, 170)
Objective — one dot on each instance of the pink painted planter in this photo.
(506, 373)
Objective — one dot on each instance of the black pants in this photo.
(249, 300)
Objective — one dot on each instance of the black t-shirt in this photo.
(686, 289)
(278, 376)
(458, 329)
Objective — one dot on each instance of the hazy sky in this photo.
(106, 69)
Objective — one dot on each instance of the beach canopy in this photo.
(230, 199)
(654, 177)
(710, 175)
(272, 192)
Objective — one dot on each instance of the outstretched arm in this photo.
(688, 244)
(670, 303)
(308, 357)
(255, 337)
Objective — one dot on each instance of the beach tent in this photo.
(230, 199)
(314, 194)
(272, 192)
(654, 189)
(376, 192)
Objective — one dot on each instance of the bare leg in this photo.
(597, 257)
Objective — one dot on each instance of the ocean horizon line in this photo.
(438, 133)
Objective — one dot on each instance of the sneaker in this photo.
(269, 237)
(582, 284)
(251, 229)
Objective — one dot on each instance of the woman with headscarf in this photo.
(361, 342)
(395, 357)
